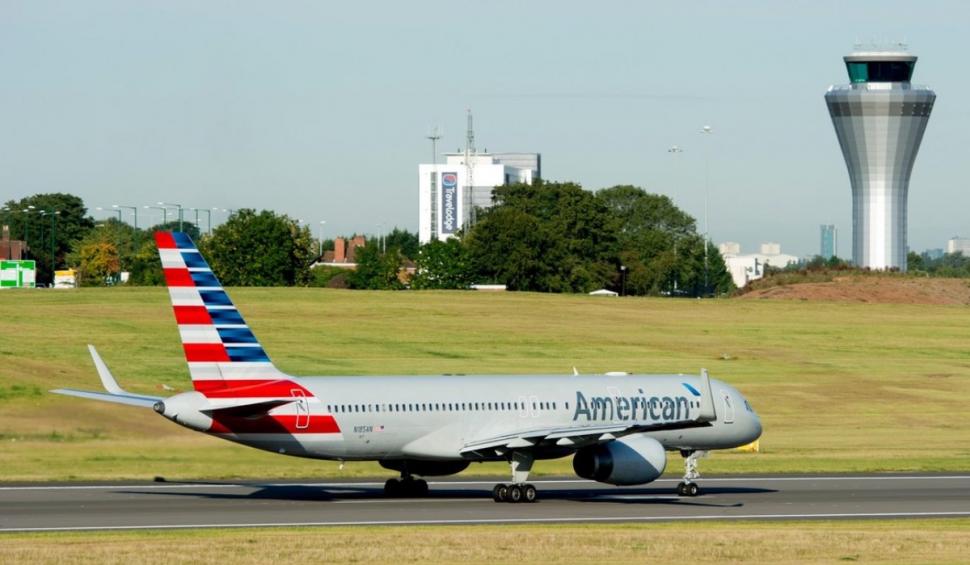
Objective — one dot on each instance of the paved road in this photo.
(193, 505)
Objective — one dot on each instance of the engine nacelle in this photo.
(632, 460)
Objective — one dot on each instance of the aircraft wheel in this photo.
(681, 489)
(529, 493)
(420, 487)
(515, 493)
(392, 487)
(500, 493)
(693, 489)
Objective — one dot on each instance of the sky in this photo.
(320, 109)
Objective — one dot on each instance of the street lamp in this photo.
(622, 280)
(320, 236)
(27, 210)
(134, 210)
(675, 150)
(164, 212)
(706, 131)
(110, 211)
(179, 206)
(208, 215)
(53, 214)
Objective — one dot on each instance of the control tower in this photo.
(879, 119)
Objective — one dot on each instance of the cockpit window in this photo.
(748, 406)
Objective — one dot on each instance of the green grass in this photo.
(901, 541)
(840, 387)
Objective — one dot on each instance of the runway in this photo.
(167, 505)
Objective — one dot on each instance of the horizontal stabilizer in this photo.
(115, 393)
(129, 399)
(249, 409)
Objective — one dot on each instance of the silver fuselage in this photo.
(434, 417)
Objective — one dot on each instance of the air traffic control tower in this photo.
(879, 119)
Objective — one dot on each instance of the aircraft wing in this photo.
(571, 437)
(579, 436)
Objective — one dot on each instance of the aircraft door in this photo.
(302, 409)
(728, 409)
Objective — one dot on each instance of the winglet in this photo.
(707, 414)
(107, 379)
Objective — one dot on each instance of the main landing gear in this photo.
(519, 490)
(514, 493)
(406, 486)
(688, 487)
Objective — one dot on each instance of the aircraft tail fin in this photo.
(224, 357)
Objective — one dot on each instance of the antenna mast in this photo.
(434, 136)
(469, 168)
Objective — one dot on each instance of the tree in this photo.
(694, 278)
(553, 237)
(404, 240)
(98, 263)
(649, 230)
(442, 264)
(260, 249)
(124, 242)
(144, 267)
(44, 230)
(376, 270)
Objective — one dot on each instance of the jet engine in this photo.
(631, 460)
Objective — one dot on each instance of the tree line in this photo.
(545, 237)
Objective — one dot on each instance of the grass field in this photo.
(924, 541)
(840, 387)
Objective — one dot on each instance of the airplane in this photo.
(617, 427)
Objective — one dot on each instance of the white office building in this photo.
(746, 268)
(449, 193)
(958, 245)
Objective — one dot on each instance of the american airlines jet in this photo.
(617, 427)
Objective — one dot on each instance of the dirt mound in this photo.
(875, 289)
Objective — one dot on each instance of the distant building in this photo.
(958, 245)
(935, 253)
(446, 198)
(829, 246)
(746, 268)
(729, 248)
(344, 252)
(11, 249)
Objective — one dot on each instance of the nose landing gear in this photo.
(688, 487)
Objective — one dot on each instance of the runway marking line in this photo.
(466, 483)
(510, 521)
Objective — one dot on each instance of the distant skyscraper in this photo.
(830, 246)
(879, 119)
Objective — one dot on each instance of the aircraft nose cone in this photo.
(755, 425)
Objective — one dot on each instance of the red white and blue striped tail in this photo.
(224, 357)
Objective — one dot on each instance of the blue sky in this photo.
(319, 109)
